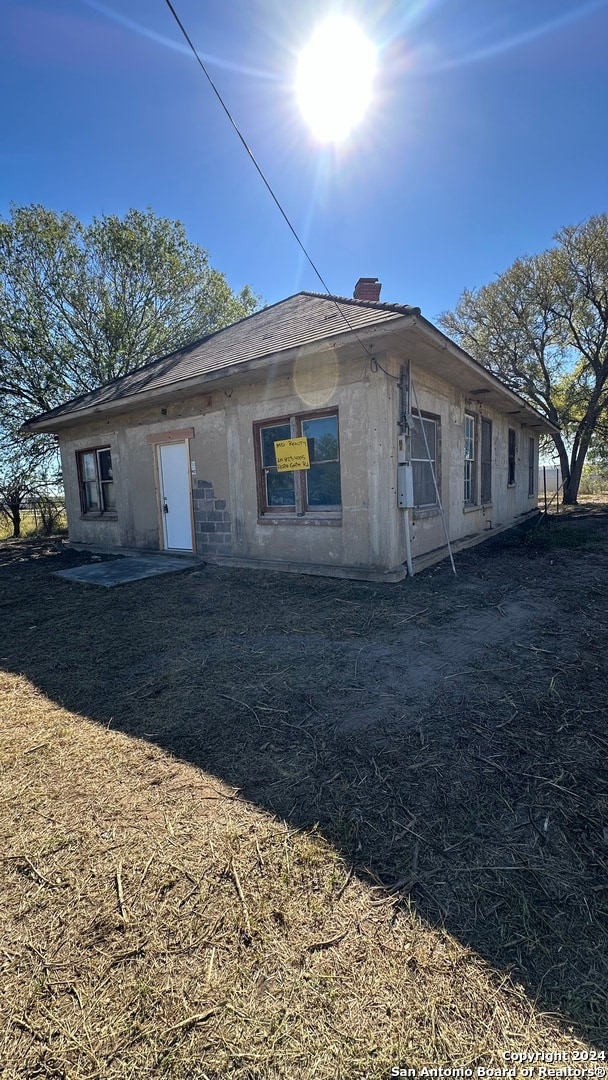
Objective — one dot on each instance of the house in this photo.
(404, 441)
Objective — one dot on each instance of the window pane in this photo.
(486, 482)
(270, 435)
(91, 496)
(322, 435)
(108, 495)
(486, 440)
(531, 457)
(511, 475)
(280, 488)
(323, 484)
(468, 481)
(424, 486)
(469, 438)
(419, 450)
(486, 460)
(105, 464)
(89, 471)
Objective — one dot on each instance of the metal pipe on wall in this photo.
(404, 440)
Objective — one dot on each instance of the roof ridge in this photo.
(382, 305)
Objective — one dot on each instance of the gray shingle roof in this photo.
(300, 320)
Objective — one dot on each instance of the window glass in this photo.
(422, 469)
(486, 460)
(88, 466)
(91, 495)
(511, 472)
(302, 491)
(531, 461)
(424, 485)
(419, 450)
(469, 459)
(270, 435)
(280, 488)
(105, 464)
(322, 435)
(323, 484)
(96, 481)
(108, 495)
(469, 437)
(323, 477)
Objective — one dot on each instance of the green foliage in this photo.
(598, 455)
(542, 327)
(594, 480)
(82, 304)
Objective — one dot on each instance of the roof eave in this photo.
(535, 419)
(185, 387)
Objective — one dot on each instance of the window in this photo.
(423, 469)
(486, 460)
(531, 465)
(511, 468)
(96, 481)
(306, 492)
(470, 492)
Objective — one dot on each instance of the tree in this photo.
(598, 455)
(542, 327)
(15, 490)
(82, 304)
(28, 477)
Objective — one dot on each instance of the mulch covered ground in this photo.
(263, 825)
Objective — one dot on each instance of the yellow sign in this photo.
(292, 454)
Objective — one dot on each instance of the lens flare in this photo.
(334, 78)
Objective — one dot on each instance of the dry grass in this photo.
(265, 827)
(30, 525)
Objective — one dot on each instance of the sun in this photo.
(334, 78)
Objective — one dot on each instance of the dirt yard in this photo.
(271, 826)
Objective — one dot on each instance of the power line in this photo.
(267, 182)
(244, 142)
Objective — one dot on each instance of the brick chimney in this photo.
(367, 288)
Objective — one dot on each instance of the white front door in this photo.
(174, 477)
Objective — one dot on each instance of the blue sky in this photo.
(487, 133)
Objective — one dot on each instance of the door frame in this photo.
(163, 438)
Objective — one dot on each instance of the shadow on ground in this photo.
(448, 735)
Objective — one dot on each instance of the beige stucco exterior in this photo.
(368, 540)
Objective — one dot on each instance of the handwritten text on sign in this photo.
(292, 454)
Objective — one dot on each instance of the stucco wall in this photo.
(222, 455)
(508, 502)
(361, 537)
(87, 530)
(371, 532)
(136, 523)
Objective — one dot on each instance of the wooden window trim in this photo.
(93, 515)
(301, 513)
(473, 502)
(178, 435)
(429, 509)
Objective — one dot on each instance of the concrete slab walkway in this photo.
(119, 571)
